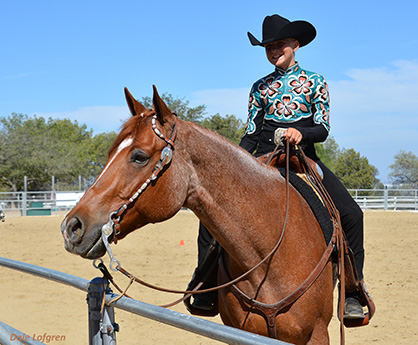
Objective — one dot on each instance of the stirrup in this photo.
(353, 309)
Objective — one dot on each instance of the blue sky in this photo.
(72, 59)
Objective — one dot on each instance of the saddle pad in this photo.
(318, 209)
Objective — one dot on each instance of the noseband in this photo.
(113, 226)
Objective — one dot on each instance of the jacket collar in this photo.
(281, 72)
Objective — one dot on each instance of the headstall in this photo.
(113, 226)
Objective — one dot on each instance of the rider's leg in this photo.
(203, 242)
(352, 224)
(205, 301)
(350, 213)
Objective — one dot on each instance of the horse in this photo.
(240, 200)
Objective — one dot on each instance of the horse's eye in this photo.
(139, 157)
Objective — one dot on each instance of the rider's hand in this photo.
(293, 135)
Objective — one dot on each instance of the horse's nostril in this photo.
(75, 230)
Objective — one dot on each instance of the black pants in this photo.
(350, 213)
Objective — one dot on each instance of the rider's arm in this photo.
(254, 122)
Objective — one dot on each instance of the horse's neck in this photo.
(233, 194)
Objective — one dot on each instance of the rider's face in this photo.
(282, 53)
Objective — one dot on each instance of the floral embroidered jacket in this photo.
(294, 98)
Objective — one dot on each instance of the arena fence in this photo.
(102, 325)
(38, 203)
(48, 203)
(386, 199)
(12, 336)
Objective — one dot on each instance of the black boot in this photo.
(353, 309)
(205, 301)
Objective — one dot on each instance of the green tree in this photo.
(100, 146)
(180, 107)
(328, 152)
(40, 148)
(354, 171)
(404, 169)
(229, 126)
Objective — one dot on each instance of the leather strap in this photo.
(270, 311)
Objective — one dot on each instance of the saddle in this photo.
(277, 159)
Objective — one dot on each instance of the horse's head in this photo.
(138, 184)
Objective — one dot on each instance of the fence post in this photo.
(416, 200)
(102, 326)
(385, 205)
(24, 204)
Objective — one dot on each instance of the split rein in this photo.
(113, 227)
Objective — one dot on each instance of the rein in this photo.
(112, 227)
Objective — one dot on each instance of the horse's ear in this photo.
(135, 107)
(161, 109)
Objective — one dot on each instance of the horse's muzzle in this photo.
(87, 244)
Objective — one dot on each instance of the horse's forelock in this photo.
(130, 128)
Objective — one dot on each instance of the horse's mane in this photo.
(240, 158)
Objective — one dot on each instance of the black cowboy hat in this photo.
(276, 28)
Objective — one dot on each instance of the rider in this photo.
(297, 100)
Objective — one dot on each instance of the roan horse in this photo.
(241, 201)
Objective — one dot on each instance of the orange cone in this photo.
(181, 243)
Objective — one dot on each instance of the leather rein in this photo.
(113, 228)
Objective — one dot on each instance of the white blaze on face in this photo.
(124, 144)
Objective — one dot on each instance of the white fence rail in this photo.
(386, 199)
(38, 203)
(46, 203)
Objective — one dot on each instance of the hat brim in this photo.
(300, 30)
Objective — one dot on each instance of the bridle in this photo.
(113, 226)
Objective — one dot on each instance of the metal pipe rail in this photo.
(186, 322)
(230, 335)
(57, 276)
(11, 336)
